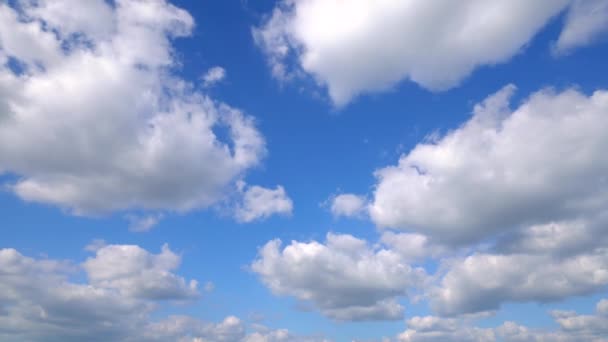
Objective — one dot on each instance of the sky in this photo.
(303, 170)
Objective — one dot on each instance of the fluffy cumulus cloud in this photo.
(135, 272)
(348, 205)
(503, 169)
(259, 203)
(572, 327)
(413, 247)
(213, 76)
(482, 281)
(93, 118)
(586, 21)
(125, 287)
(529, 182)
(344, 277)
(433, 43)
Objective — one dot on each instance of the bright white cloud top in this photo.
(345, 278)
(94, 120)
(361, 46)
(504, 168)
(259, 203)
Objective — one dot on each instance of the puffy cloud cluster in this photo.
(126, 284)
(483, 281)
(542, 162)
(94, 119)
(136, 273)
(343, 277)
(259, 203)
(511, 205)
(573, 327)
(530, 180)
(433, 43)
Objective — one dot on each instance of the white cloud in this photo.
(260, 203)
(263, 334)
(484, 281)
(136, 273)
(503, 169)
(38, 302)
(213, 76)
(436, 44)
(348, 205)
(587, 21)
(572, 327)
(143, 223)
(344, 278)
(413, 247)
(98, 121)
(436, 329)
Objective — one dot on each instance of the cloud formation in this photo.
(503, 169)
(572, 327)
(348, 205)
(435, 44)
(259, 203)
(586, 22)
(213, 76)
(125, 286)
(94, 119)
(344, 277)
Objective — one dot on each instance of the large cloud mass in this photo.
(360, 46)
(93, 118)
(344, 277)
(504, 168)
(125, 287)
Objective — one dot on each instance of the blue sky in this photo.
(444, 188)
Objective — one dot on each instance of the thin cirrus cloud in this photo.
(95, 120)
(126, 284)
(435, 44)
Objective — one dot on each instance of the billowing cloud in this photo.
(484, 281)
(94, 119)
(126, 284)
(541, 162)
(137, 273)
(433, 43)
(259, 203)
(572, 327)
(587, 21)
(344, 277)
(413, 247)
(348, 205)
